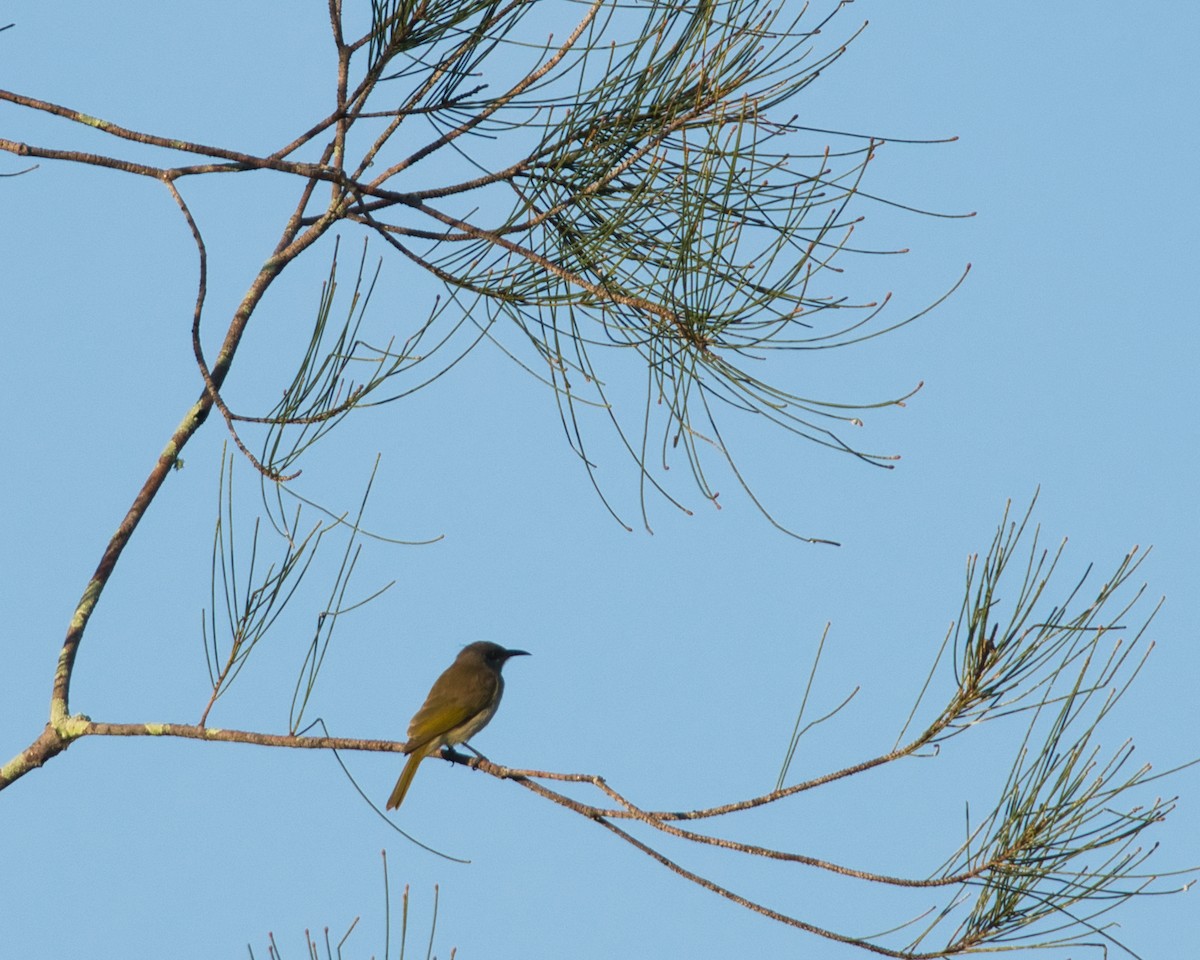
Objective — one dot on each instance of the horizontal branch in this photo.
(56, 737)
(194, 732)
(135, 136)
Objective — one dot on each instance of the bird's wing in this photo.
(456, 697)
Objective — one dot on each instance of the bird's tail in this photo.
(406, 775)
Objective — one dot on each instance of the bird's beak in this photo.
(516, 653)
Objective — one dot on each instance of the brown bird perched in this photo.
(460, 704)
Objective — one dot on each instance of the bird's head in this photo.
(491, 654)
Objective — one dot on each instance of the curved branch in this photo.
(191, 422)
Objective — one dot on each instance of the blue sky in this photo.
(671, 663)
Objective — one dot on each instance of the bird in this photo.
(460, 704)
